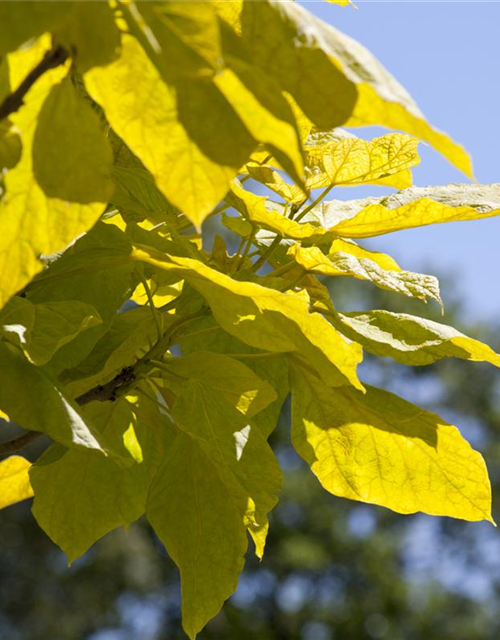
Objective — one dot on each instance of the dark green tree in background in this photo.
(334, 569)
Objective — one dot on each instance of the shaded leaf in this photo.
(41, 329)
(71, 157)
(32, 400)
(108, 496)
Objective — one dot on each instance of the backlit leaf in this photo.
(415, 207)
(380, 449)
(411, 340)
(14, 481)
(30, 222)
(174, 130)
(340, 263)
(267, 319)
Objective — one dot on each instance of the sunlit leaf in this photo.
(415, 207)
(380, 449)
(14, 481)
(341, 263)
(267, 319)
(411, 340)
(30, 222)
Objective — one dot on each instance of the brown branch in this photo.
(15, 100)
(20, 442)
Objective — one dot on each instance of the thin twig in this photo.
(313, 204)
(116, 387)
(15, 100)
(20, 442)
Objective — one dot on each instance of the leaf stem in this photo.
(313, 204)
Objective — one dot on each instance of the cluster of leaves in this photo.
(125, 126)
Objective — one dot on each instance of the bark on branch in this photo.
(15, 100)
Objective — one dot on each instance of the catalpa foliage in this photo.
(123, 127)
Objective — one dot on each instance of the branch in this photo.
(20, 442)
(116, 387)
(15, 100)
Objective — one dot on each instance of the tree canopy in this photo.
(157, 361)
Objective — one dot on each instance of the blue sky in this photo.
(446, 54)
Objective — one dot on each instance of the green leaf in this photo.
(186, 33)
(71, 157)
(41, 329)
(273, 370)
(90, 33)
(174, 130)
(31, 223)
(81, 495)
(33, 400)
(221, 475)
(380, 449)
(14, 481)
(411, 340)
(96, 271)
(193, 514)
(130, 335)
(340, 263)
(232, 379)
(22, 21)
(267, 319)
(415, 207)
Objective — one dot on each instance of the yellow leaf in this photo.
(415, 207)
(349, 86)
(352, 161)
(346, 161)
(174, 129)
(14, 481)
(254, 209)
(380, 449)
(339, 263)
(267, 319)
(349, 246)
(30, 222)
(411, 340)
(270, 121)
